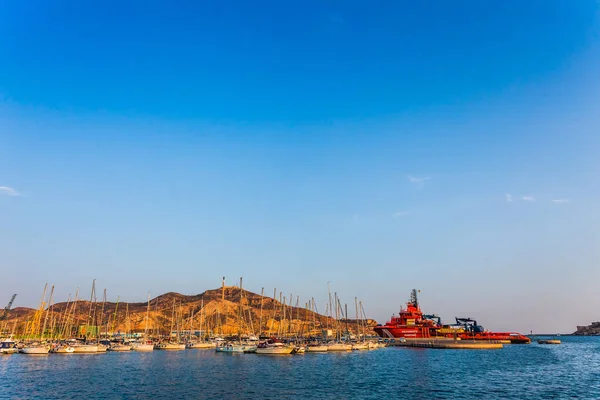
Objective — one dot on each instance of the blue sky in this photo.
(447, 146)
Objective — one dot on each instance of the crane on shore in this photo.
(7, 308)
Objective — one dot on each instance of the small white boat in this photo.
(119, 347)
(141, 346)
(274, 348)
(372, 345)
(169, 346)
(339, 346)
(62, 349)
(102, 348)
(360, 346)
(8, 346)
(317, 348)
(85, 348)
(200, 345)
(235, 348)
(35, 349)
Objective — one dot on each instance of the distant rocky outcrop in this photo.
(591, 330)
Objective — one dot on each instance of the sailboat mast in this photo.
(262, 298)
(47, 312)
(87, 325)
(101, 321)
(147, 315)
(172, 320)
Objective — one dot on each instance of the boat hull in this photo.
(513, 338)
(120, 348)
(275, 350)
(63, 350)
(339, 347)
(35, 350)
(235, 349)
(86, 349)
(548, 341)
(317, 349)
(388, 331)
(360, 346)
(201, 345)
(169, 346)
(143, 347)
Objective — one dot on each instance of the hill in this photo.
(226, 311)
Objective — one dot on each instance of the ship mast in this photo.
(413, 298)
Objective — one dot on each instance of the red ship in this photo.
(412, 323)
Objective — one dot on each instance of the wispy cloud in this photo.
(508, 197)
(558, 201)
(414, 179)
(528, 198)
(9, 191)
(399, 214)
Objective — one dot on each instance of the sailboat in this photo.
(273, 347)
(84, 346)
(238, 346)
(171, 345)
(337, 345)
(202, 344)
(145, 345)
(316, 346)
(38, 348)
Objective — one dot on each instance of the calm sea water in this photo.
(569, 370)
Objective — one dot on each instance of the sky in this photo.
(446, 146)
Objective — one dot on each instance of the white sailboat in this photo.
(35, 349)
(317, 348)
(38, 348)
(119, 347)
(143, 346)
(202, 344)
(62, 348)
(235, 348)
(169, 346)
(146, 345)
(274, 348)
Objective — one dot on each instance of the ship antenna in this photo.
(413, 298)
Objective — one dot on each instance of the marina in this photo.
(281, 328)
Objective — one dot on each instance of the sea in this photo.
(570, 370)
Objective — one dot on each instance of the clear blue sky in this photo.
(448, 146)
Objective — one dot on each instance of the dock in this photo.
(447, 343)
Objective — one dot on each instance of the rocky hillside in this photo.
(238, 312)
(590, 330)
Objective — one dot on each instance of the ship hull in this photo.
(386, 331)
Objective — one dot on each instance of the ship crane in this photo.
(470, 325)
(7, 308)
(433, 317)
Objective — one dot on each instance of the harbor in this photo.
(231, 320)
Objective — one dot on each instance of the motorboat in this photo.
(8, 346)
